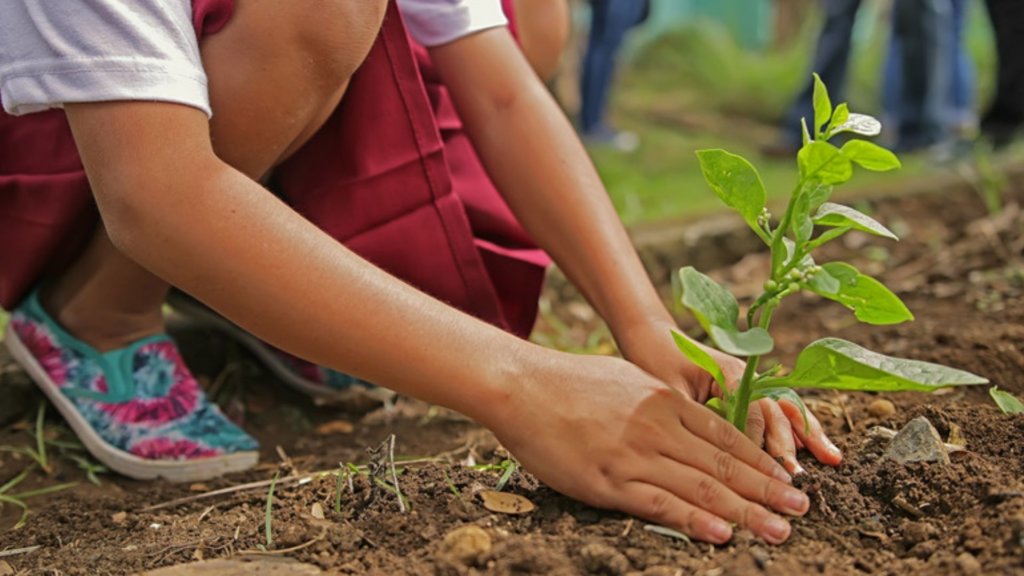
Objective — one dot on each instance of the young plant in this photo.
(828, 363)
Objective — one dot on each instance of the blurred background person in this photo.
(958, 98)
(924, 30)
(610, 21)
(831, 60)
(1005, 115)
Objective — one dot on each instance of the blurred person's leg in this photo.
(958, 115)
(1006, 113)
(831, 60)
(892, 85)
(963, 92)
(925, 30)
(611, 20)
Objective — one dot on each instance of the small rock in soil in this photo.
(599, 558)
(918, 441)
(505, 502)
(917, 532)
(968, 564)
(467, 544)
(881, 408)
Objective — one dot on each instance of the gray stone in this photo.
(918, 441)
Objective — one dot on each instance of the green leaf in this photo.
(870, 156)
(823, 163)
(753, 342)
(785, 394)
(801, 222)
(861, 124)
(715, 403)
(828, 236)
(711, 304)
(839, 116)
(1008, 403)
(818, 194)
(822, 105)
(824, 283)
(869, 299)
(839, 216)
(836, 364)
(805, 135)
(700, 357)
(735, 181)
(717, 311)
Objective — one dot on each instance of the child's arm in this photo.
(598, 429)
(536, 160)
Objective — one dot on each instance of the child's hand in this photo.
(778, 426)
(605, 432)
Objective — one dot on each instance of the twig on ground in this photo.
(18, 551)
(323, 534)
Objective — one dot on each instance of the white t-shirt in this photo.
(57, 51)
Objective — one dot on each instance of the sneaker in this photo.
(324, 385)
(137, 409)
(607, 137)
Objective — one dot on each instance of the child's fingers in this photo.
(814, 438)
(756, 424)
(665, 508)
(719, 433)
(712, 478)
(779, 439)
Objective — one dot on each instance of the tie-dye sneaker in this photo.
(324, 385)
(137, 409)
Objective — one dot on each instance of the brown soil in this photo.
(961, 274)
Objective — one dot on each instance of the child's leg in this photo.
(276, 71)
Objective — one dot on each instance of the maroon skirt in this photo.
(411, 197)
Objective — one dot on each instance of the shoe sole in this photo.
(203, 316)
(116, 459)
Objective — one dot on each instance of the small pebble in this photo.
(467, 544)
(968, 564)
(881, 408)
(600, 558)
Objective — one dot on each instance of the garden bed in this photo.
(960, 271)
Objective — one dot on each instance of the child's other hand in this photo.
(603, 431)
(777, 426)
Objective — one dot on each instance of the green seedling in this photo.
(451, 486)
(343, 475)
(1008, 403)
(507, 468)
(829, 363)
(268, 515)
(18, 500)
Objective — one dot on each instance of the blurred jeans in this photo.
(958, 108)
(925, 29)
(831, 59)
(610, 21)
(1006, 113)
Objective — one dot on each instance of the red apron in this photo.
(391, 174)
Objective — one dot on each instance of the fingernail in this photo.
(795, 501)
(720, 531)
(833, 449)
(777, 529)
(798, 469)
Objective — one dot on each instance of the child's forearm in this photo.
(201, 225)
(538, 163)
